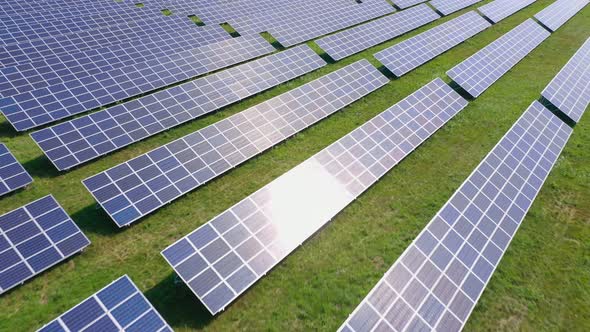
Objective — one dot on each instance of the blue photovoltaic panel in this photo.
(12, 174)
(570, 89)
(133, 189)
(485, 67)
(223, 258)
(357, 39)
(447, 7)
(120, 306)
(46, 105)
(411, 53)
(34, 238)
(85, 138)
(559, 12)
(437, 281)
(406, 3)
(500, 9)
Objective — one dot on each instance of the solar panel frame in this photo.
(447, 7)
(13, 175)
(432, 299)
(414, 52)
(34, 238)
(120, 306)
(223, 253)
(480, 71)
(500, 9)
(345, 43)
(559, 12)
(567, 90)
(201, 156)
(85, 138)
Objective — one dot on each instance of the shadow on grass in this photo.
(462, 92)
(6, 130)
(93, 219)
(178, 305)
(558, 113)
(387, 73)
(41, 167)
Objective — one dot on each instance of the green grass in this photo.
(542, 283)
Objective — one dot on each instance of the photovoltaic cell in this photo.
(133, 189)
(439, 278)
(447, 7)
(411, 53)
(485, 67)
(34, 238)
(357, 39)
(120, 306)
(559, 12)
(12, 174)
(406, 3)
(570, 89)
(224, 257)
(35, 108)
(500, 9)
(85, 138)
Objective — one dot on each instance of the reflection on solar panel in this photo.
(74, 142)
(441, 275)
(559, 12)
(570, 89)
(120, 306)
(485, 67)
(12, 174)
(292, 33)
(34, 238)
(411, 53)
(135, 188)
(447, 7)
(32, 109)
(189, 62)
(224, 257)
(500, 9)
(354, 40)
(406, 3)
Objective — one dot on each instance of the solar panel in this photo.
(34, 238)
(35, 108)
(437, 281)
(191, 61)
(354, 40)
(406, 3)
(500, 9)
(148, 31)
(85, 138)
(292, 33)
(570, 89)
(484, 68)
(411, 53)
(225, 256)
(12, 174)
(559, 12)
(133, 189)
(447, 7)
(120, 306)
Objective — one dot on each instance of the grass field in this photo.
(542, 283)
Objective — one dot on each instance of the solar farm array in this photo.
(91, 78)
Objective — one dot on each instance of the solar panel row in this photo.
(34, 108)
(78, 65)
(133, 189)
(570, 89)
(224, 257)
(354, 40)
(411, 53)
(13, 175)
(120, 306)
(500, 9)
(34, 238)
(85, 138)
(437, 281)
(447, 7)
(406, 3)
(484, 68)
(559, 12)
